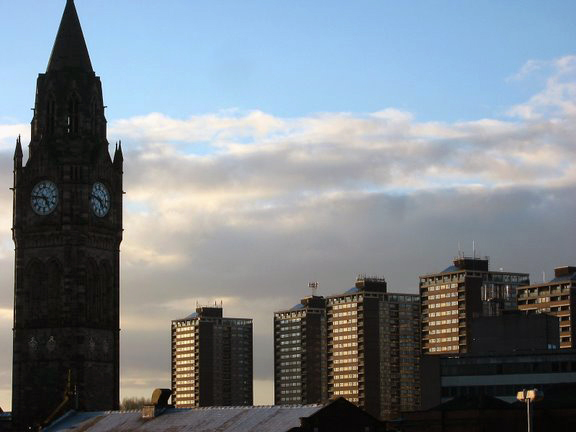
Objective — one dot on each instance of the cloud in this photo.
(247, 208)
(558, 98)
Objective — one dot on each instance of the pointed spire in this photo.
(118, 156)
(18, 153)
(69, 49)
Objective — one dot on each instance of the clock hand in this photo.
(98, 198)
(40, 196)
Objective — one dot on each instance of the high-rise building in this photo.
(211, 360)
(300, 353)
(374, 348)
(67, 229)
(556, 297)
(464, 291)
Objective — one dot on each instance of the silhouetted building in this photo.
(300, 372)
(464, 291)
(373, 348)
(67, 229)
(556, 412)
(497, 375)
(557, 298)
(211, 360)
(514, 331)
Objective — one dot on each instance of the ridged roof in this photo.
(221, 419)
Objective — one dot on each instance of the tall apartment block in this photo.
(211, 360)
(464, 291)
(300, 353)
(556, 297)
(374, 348)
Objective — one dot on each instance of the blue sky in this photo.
(272, 143)
(441, 60)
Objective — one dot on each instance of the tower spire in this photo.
(69, 49)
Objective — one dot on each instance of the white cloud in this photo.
(9, 133)
(558, 98)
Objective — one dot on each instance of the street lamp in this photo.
(528, 397)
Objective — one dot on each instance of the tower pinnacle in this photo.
(69, 49)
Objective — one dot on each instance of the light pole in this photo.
(528, 397)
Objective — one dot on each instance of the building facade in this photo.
(300, 353)
(373, 348)
(557, 297)
(67, 229)
(514, 331)
(451, 299)
(498, 375)
(211, 360)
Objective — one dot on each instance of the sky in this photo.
(269, 144)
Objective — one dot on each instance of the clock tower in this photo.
(67, 229)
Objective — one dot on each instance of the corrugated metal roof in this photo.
(213, 419)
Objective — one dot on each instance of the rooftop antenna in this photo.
(543, 277)
(459, 250)
(314, 287)
(473, 249)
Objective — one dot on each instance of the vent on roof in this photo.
(158, 404)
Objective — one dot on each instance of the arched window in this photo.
(94, 116)
(34, 282)
(54, 289)
(92, 291)
(50, 115)
(72, 116)
(106, 288)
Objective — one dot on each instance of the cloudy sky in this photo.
(269, 144)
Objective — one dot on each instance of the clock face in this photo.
(44, 197)
(100, 200)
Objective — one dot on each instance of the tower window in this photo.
(72, 117)
(50, 115)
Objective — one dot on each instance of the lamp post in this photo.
(529, 397)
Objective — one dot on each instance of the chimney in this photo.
(157, 405)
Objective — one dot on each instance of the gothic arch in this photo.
(92, 290)
(107, 290)
(35, 290)
(53, 289)
(50, 114)
(72, 114)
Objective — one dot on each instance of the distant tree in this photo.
(133, 403)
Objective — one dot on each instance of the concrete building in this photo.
(373, 348)
(464, 291)
(300, 353)
(557, 297)
(211, 360)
